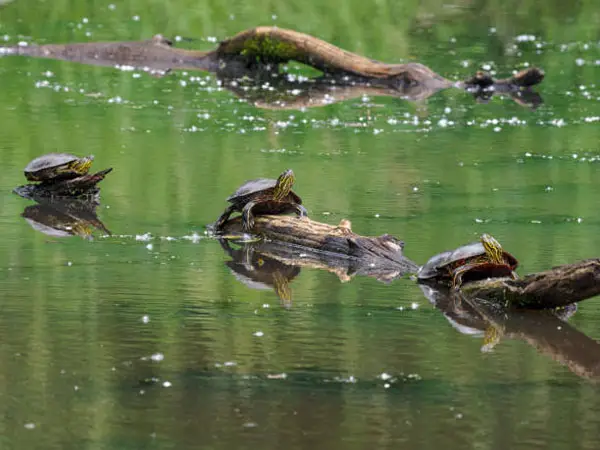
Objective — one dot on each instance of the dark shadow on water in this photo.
(64, 217)
(545, 330)
(271, 265)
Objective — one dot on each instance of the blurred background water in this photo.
(145, 339)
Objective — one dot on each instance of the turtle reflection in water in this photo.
(486, 258)
(64, 219)
(60, 175)
(258, 271)
(263, 196)
(486, 319)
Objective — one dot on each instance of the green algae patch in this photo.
(268, 49)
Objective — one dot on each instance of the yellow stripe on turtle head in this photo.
(492, 248)
(282, 289)
(84, 164)
(284, 184)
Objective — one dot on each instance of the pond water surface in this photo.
(146, 338)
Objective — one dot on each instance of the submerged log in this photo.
(552, 288)
(324, 243)
(263, 49)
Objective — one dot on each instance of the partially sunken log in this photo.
(373, 253)
(263, 49)
(553, 288)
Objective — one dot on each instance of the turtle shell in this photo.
(52, 166)
(257, 188)
(437, 265)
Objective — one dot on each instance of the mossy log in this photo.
(383, 253)
(259, 49)
(552, 288)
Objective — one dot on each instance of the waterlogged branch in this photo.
(258, 52)
(323, 242)
(552, 288)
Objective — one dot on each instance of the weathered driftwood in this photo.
(261, 50)
(553, 288)
(336, 247)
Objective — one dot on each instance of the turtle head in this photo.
(284, 184)
(492, 248)
(82, 165)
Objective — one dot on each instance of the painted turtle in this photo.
(263, 196)
(57, 166)
(486, 257)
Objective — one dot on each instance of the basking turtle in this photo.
(78, 187)
(57, 166)
(486, 257)
(263, 196)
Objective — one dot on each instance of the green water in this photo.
(145, 339)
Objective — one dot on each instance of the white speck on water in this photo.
(76, 388)
(497, 129)
(415, 189)
(385, 376)
(377, 215)
(274, 17)
(266, 305)
(549, 188)
(465, 63)
(230, 363)
(136, 18)
(112, 6)
(492, 29)
(143, 237)
(149, 246)
(447, 110)
(536, 221)
(167, 384)
(277, 376)
(258, 334)
(250, 425)
(22, 44)
(443, 123)
(580, 62)
(69, 263)
(414, 305)
(459, 416)
(525, 38)
(157, 357)
(85, 20)
(29, 426)
(579, 220)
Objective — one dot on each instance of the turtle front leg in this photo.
(301, 210)
(223, 218)
(458, 274)
(248, 217)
